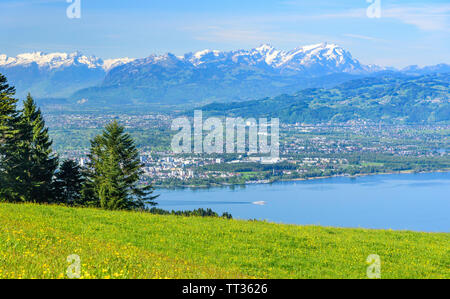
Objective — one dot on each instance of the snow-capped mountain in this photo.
(109, 64)
(212, 75)
(55, 74)
(328, 57)
(203, 76)
(324, 58)
(53, 61)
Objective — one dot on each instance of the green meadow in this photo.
(35, 241)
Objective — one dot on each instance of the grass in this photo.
(35, 242)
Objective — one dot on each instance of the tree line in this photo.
(31, 172)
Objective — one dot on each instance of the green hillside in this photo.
(35, 242)
(390, 98)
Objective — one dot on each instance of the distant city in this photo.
(306, 150)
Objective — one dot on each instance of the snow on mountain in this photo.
(55, 74)
(227, 75)
(324, 57)
(109, 64)
(200, 76)
(323, 54)
(204, 56)
(53, 61)
(321, 58)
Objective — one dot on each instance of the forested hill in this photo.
(391, 98)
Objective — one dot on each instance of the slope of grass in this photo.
(35, 242)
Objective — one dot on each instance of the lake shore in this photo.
(364, 175)
(266, 182)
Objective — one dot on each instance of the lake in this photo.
(419, 202)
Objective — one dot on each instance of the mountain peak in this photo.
(60, 60)
(265, 48)
(265, 54)
(322, 57)
(109, 64)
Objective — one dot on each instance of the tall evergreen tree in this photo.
(8, 136)
(68, 183)
(115, 170)
(33, 158)
(8, 110)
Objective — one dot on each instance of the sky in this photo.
(407, 32)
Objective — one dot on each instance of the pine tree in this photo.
(33, 158)
(115, 170)
(68, 183)
(8, 134)
(8, 110)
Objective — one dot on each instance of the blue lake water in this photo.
(419, 202)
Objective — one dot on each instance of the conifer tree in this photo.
(8, 134)
(68, 183)
(8, 110)
(114, 172)
(35, 163)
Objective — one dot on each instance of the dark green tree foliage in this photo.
(8, 133)
(33, 159)
(8, 110)
(114, 172)
(68, 183)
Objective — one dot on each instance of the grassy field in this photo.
(35, 242)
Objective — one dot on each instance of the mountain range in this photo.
(201, 77)
(56, 74)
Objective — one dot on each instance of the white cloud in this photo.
(427, 17)
(364, 37)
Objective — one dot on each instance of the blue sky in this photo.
(408, 32)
